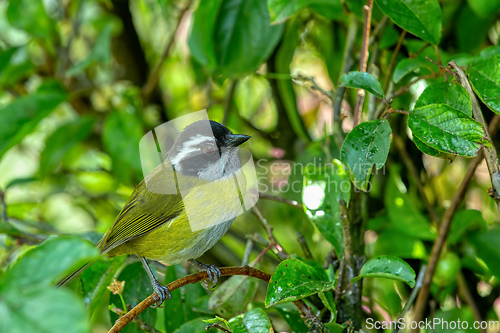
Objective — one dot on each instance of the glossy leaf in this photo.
(419, 17)
(402, 211)
(431, 151)
(388, 267)
(362, 80)
(233, 295)
(449, 93)
(292, 317)
(62, 140)
(447, 129)
(485, 79)
(235, 37)
(293, 280)
(47, 263)
(406, 66)
(365, 146)
(280, 10)
(20, 117)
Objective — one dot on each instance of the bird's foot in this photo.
(213, 273)
(162, 292)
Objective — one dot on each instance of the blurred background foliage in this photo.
(82, 81)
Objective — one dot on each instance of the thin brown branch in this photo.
(363, 60)
(269, 229)
(155, 73)
(217, 326)
(490, 154)
(3, 205)
(190, 279)
(292, 203)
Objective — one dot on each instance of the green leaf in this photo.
(419, 17)
(365, 146)
(293, 280)
(322, 190)
(256, 321)
(394, 242)
(281, 10)
(471, 31)
(388, 267)
(62, 140)
(20, 117)
(233, 37)
(484, 8)
(362, 80)
(447, 129)
(14, 65)
(42, 310)
(233, 295)
(465, 222)
(195, 326)
(101, 53)
(487, 249)
(30, 16)
(485, 79)
(356, 7)
(431, 151)
(402, 211)
(292, 317)
(449, 93)
(406, 66)
(47, 263)
(137, 288)
(329, 303)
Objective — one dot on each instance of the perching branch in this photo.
(292, 203)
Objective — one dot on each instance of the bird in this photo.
(184, 206)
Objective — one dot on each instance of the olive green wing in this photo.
(146, 210)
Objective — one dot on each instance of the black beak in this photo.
(234, 140)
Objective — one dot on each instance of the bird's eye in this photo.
(209, 150)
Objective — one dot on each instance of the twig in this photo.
(490, 154)
(304, 310)
(217, 326)
(269, 229)
(378, 29)
(137, 320)
(393, 60)
(248, 251)
(464, 291)
(363, 60)
(314, 86)
(292, 203)
(155, 73)
(413, 295)
(190, 279)
(228, 102)
(303, 244)
(441, 67)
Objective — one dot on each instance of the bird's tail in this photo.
(72, 275)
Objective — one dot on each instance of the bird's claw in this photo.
(213, 273)
(163, 294)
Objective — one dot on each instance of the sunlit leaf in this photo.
(450, 93)
(407, 66)
(388, 267)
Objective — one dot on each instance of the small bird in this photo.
(183, 206)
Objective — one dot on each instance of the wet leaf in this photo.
(388, 267)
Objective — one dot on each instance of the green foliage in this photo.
(388, 267)
(294, 279)
(364, 81)
(485, 79)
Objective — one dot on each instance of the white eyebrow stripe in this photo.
(185, 152)
(198, 139)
